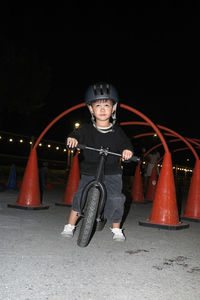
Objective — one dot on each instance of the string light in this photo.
(184, 169)
(27, 140)
(76, 125)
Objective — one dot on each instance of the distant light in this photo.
(57, 148)
(21, 141)
(11, 140)
(77, 125)
(40, 144)
(49, 146)
(155, 135)
(188, 159)
(30, 142)
(0, 137)
(64, 150)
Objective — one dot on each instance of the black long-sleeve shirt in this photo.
(117, 141)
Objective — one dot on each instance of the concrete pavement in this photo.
(38, 263)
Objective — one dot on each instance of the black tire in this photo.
(90, 213)
(100, 225)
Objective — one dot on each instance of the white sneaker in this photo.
(118, 235)
(68, 230)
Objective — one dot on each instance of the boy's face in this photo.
(102, 109)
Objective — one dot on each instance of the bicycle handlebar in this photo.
(106, 152)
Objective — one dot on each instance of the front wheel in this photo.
(90, 212)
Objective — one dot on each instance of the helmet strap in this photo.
(114, 117)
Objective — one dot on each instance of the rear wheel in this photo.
(90, 212)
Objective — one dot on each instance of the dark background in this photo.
(51, 54)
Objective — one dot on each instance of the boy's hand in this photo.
(126, 154)
(71, 142)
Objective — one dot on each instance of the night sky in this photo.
(51, 54)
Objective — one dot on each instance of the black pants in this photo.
(114, 206)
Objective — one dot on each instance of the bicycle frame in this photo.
(97, 182)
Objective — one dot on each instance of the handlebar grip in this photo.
(133, 158)
(81, 146)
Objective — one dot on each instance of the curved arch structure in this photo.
(164, 214)
(171, 141)
(192, 208)
(174, 133)
(29, 196)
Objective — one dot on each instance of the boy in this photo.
(101, 99)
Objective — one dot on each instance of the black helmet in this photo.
(101, 91)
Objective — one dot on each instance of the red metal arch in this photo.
(135, 111)
(174, 133)
(171, 141)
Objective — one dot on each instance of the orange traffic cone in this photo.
(137, 188)
(150, 194)
(164, 212)
(192, 208)
(29, 195)
(72, 183)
